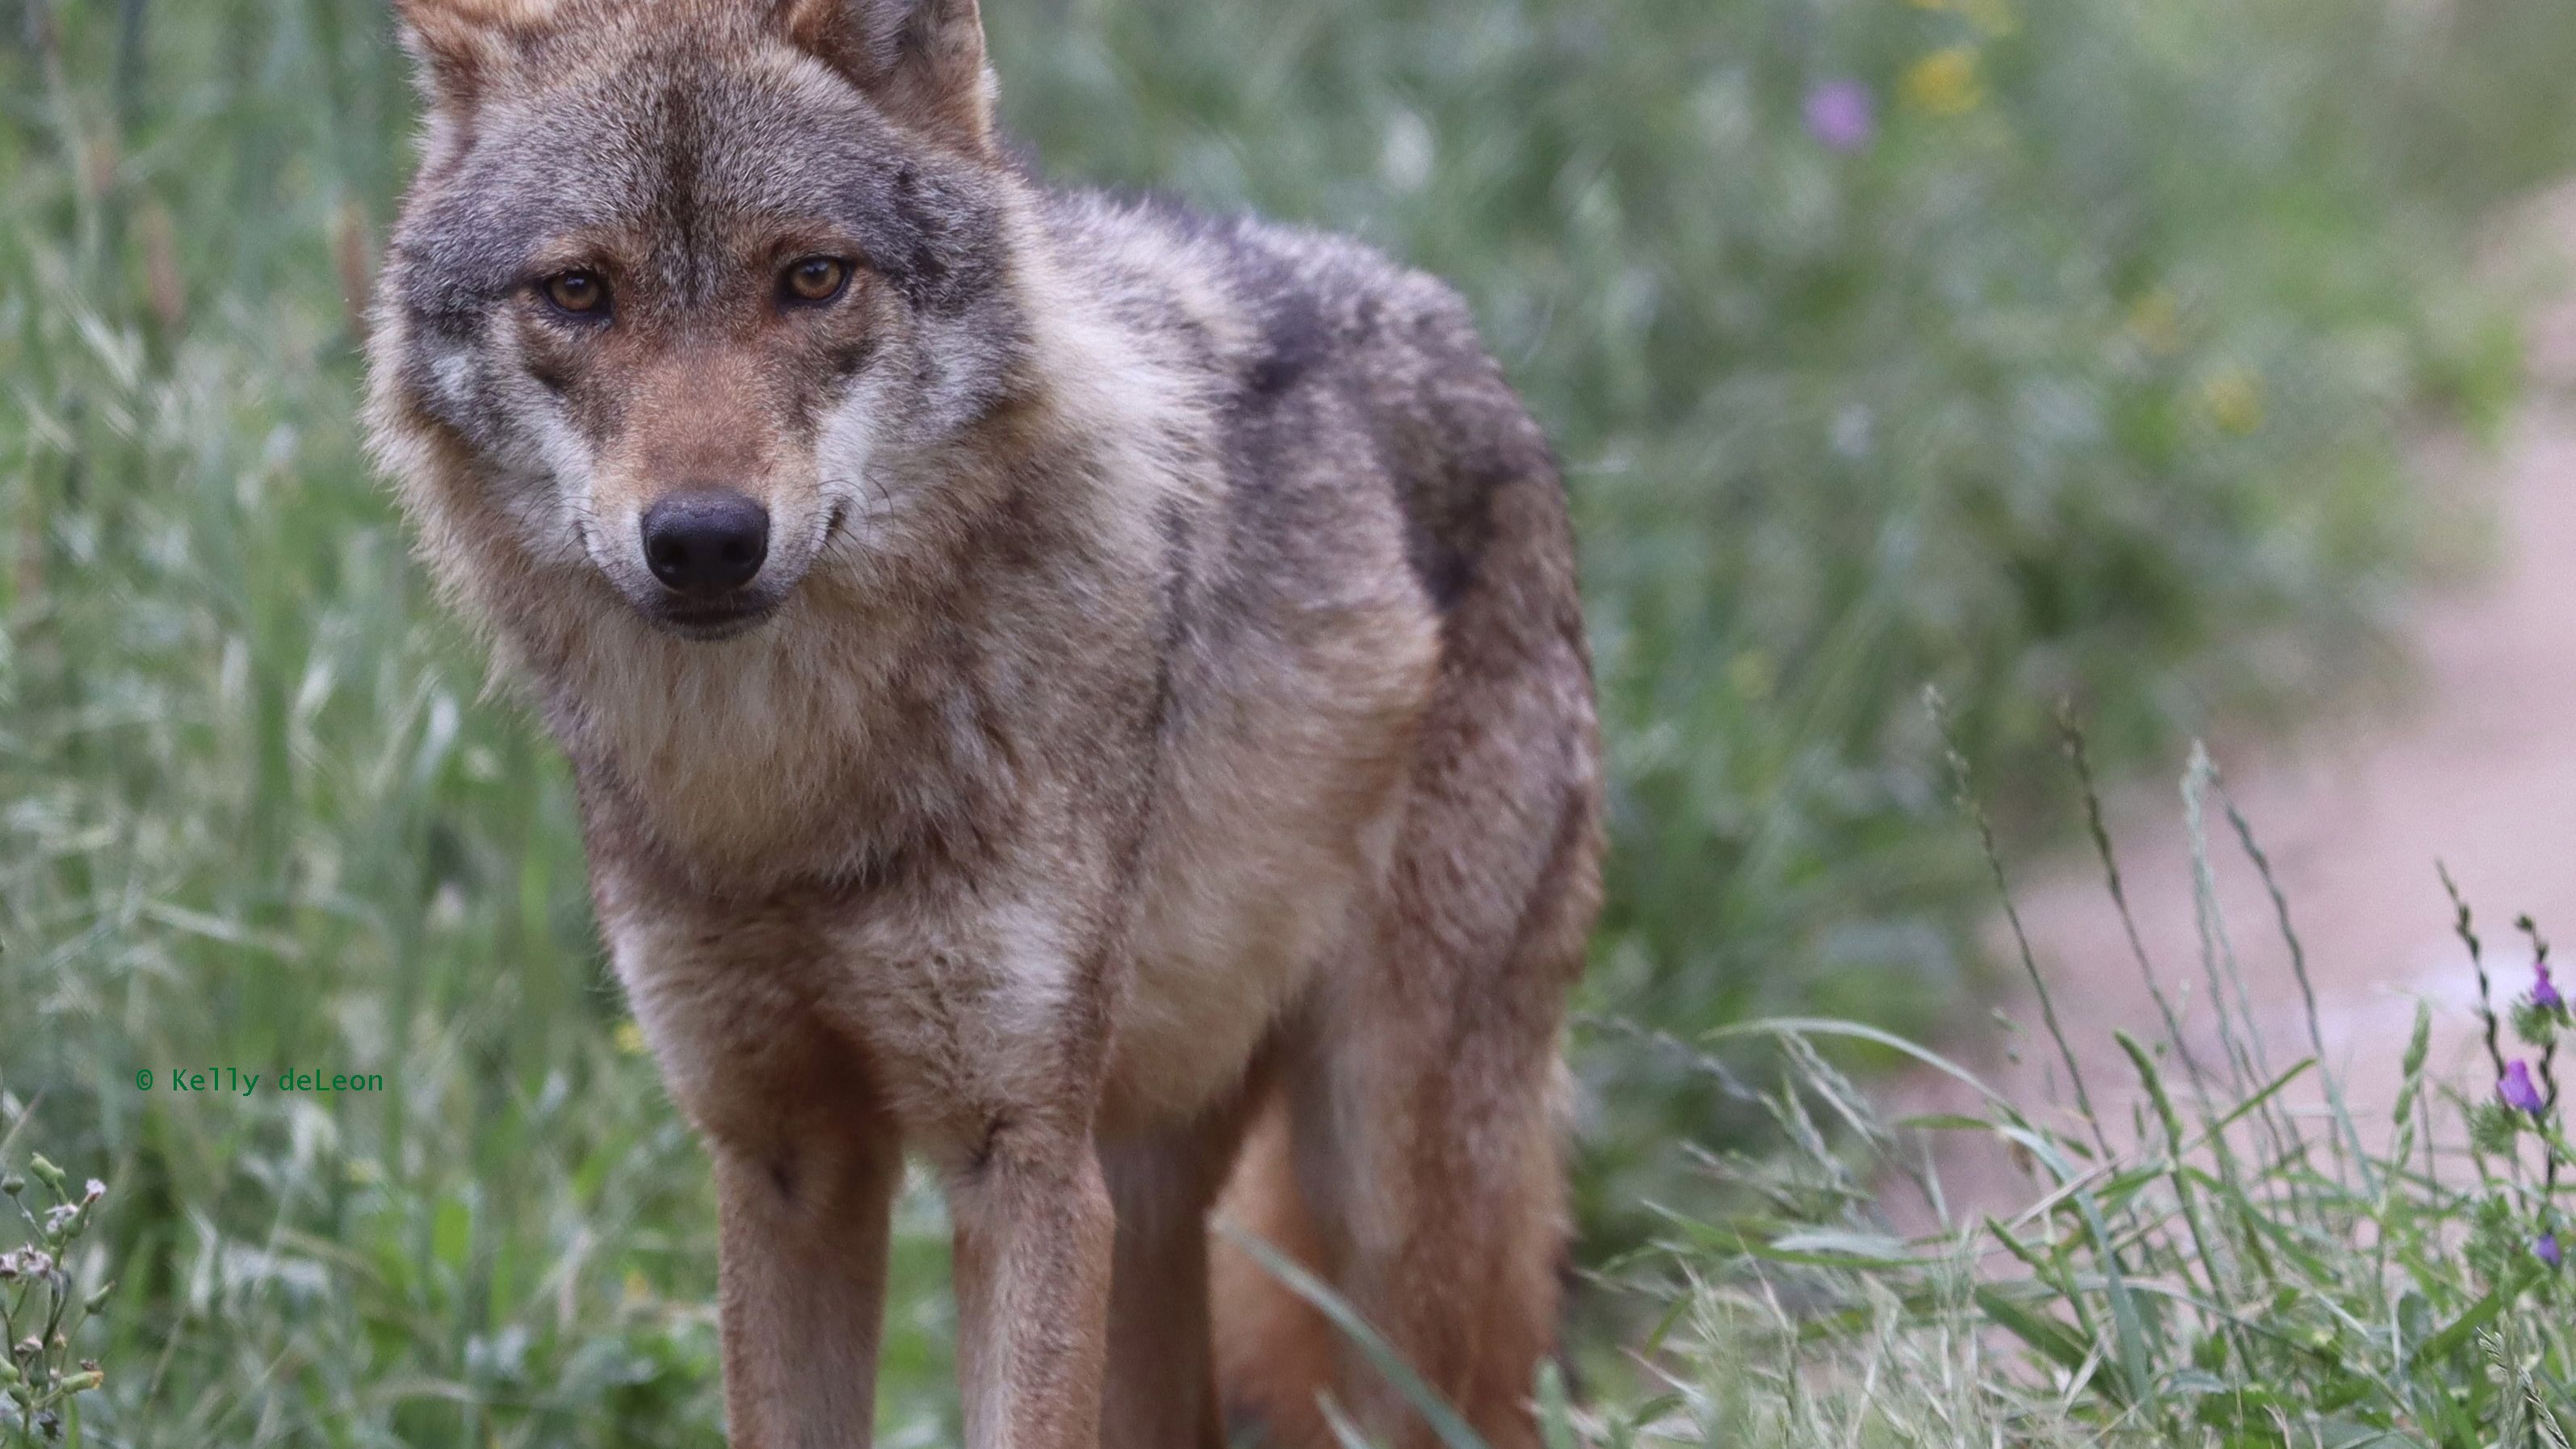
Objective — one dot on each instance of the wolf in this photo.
(1085, 696)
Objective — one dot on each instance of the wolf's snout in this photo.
(705, 541)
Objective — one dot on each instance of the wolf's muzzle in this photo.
(706, 542)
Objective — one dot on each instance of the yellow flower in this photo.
(1994, 17)
(2234, 400)
(2156, 321)
(1945, 83)
(630, 1038)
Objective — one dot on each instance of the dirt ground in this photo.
(2478, 770)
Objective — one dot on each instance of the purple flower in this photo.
(2547, 1250)
(2544, 992)
(2516, 1088)
(1841, 114)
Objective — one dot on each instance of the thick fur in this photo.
(1162, 718)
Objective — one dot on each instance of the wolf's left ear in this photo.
(465, 47)
(922, 61)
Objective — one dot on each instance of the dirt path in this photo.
(2478, 771)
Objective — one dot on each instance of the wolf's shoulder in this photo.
(1336, 371)
(1273, 305)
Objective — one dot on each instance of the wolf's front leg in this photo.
(1035, 1233)
(801, 1257)
(807, 1157)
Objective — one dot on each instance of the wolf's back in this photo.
(1338, 371)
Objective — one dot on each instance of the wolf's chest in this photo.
(747, 765)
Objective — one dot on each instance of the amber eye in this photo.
(577, 291)
(814, 279)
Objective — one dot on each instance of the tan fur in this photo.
(467, 42)
(1172, 726)
(932, 78)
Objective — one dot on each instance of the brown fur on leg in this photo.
(1033, 1234)
(1481, 1312)
(1274, 1352)
(1444, 1227)
(1162, 1386)
(1423, 1079)
(802, 1261)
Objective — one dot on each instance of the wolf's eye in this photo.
(813, 279)
(577, 291)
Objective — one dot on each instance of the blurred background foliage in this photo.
(2035, 350)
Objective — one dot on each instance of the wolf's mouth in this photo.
(710, 623)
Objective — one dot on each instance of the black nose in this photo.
(706, 540)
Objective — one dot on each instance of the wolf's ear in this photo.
(465, 46)
(920, 60)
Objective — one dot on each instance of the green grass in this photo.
(2099, 386)
(2222, 1253)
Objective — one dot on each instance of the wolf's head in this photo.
(679, 278)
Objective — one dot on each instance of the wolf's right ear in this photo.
(465, 46)
(922, 61)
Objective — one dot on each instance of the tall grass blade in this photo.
(1452, 1430)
